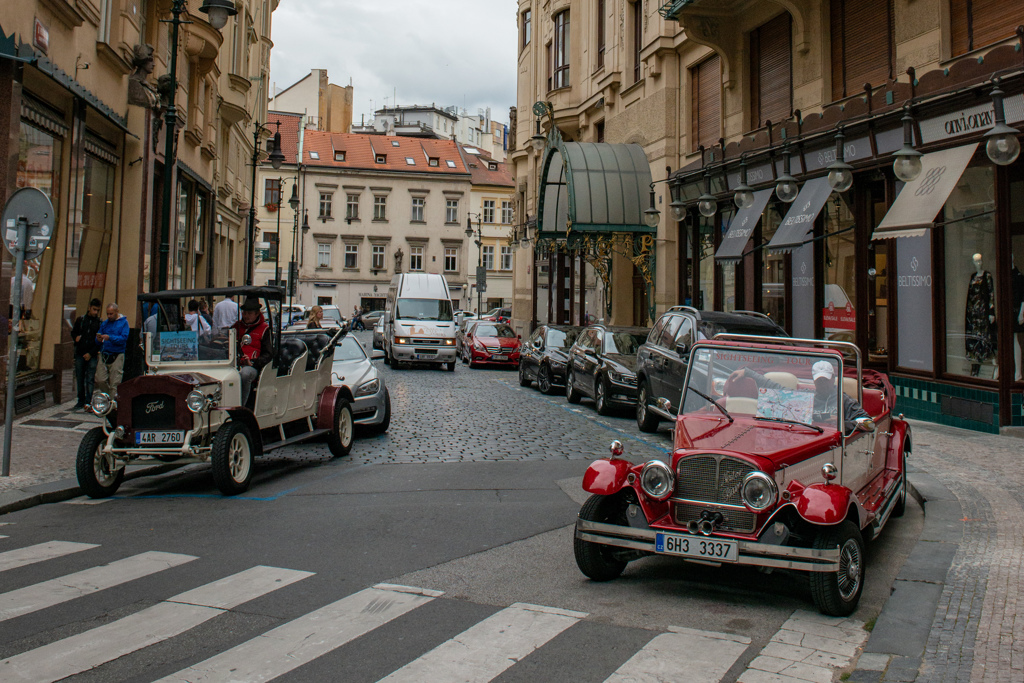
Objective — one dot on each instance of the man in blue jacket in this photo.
(113, 335)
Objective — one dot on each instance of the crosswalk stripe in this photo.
(684, 655)
(106, 643)
(312, 635)
(40, 552)
(55, 591)
(486, 649)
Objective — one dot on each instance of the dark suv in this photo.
(662, 359)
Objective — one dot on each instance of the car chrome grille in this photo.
(629, 379)
(711, 479)
(426, 342)
(740, 521)
(153, 411)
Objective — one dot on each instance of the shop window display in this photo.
(773, 270)
(1017, 264)
(970, 257)
(92, 226)
(706, 265)
(838, 315)
(727, 269)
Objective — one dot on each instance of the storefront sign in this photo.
(92, 280)
(756, 175)
(976, 119)
(799, 222)
(833, 318)
(41, 37)
(802, 286)
(742, 227)
(854, 149)
(914, 303)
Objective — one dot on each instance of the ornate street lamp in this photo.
(744, 196)
(218, 12)
(906, 162)
(1001, 143)
(840, 173)
(706, 203)
(276, 160)
(786, 187)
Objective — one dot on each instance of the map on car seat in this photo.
(785, 404)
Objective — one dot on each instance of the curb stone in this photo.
(65, 489)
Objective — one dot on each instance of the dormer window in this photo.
(394, 143)
(339, 156)
(409, 161)
(492, 167)
(433, 161)
(382, 158)
(314, 155)
(451, 164)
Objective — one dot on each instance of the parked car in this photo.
(189, 408)
(500, 315)
(757, 476)
(662, 359)
(378, 335)
(490, 343)
(545, 356)
(460, 333)
(332, 318)
(370, 319)
(371, 402)
(601, 366)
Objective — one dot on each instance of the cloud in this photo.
(443, 52)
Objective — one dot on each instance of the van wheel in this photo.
(450, 366)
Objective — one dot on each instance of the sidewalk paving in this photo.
(952, 615)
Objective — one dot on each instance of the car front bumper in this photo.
(369, 410)
(423, 354)
(621, 393)
(478, 356)
(750, 552)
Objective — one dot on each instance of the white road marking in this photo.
(40, 552)
(312, 635)
(485, 650)
(106, 643)
(683, 655)
(55, 591)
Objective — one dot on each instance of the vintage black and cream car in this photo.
(188, 406)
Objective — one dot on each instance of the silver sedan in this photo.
(353, 369)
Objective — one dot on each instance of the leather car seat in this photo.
(316, 346)
(291, 350)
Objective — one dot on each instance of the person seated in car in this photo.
(825, 392)
(258, 351)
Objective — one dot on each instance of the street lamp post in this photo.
(479, 252)
(276, 160)
(217, 12)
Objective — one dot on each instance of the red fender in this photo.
(325, 410)
(822, 503)
(606, 476)
(900, 433)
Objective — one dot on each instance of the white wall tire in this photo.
(342, 428)
(232, 458)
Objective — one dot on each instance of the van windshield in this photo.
(424, 309)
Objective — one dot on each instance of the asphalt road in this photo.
(472, 493)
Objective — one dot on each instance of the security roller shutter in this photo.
(977, 23)
(707, 102)
(771, 71)
(862, 45)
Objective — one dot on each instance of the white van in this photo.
(418, 322)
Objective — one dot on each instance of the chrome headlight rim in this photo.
(770, 484)
(368, 388)
(195, 401)
(654, 468)
(102, 404)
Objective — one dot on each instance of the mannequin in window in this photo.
(1017, 289)
(980, 317)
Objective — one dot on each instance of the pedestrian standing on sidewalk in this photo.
(87, 352)
(113, 334)
(225, 314)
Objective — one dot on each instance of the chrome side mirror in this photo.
(864, 424)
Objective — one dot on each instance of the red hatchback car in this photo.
(773, 465)
(490, 343)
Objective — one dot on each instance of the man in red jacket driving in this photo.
(258, 351)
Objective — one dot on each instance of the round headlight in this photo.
(196, 400)
(759, 491)
(102, 403)
(656, 480)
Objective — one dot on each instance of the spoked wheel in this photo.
(901, 503)
(544, 379)
(232, 458)
(597, 561)
(645, 419)
(524, 381)
(99, 475)
(571, 395)
(340, 438)
(837, 593)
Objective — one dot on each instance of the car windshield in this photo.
(772, 386)
(625, 343)
(332, 314)
(488, 330)
(349, 349)
(424, 309)
(560, 338)
(181, 332)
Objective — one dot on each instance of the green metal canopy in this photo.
(593, 187)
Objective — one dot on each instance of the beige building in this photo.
(491, 215)
(82, 92)
(716, 97)
(327, 106)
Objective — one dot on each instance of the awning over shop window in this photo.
(594, 187)
(920, 200)
(742, 227)
(799, 222)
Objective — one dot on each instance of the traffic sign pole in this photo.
(12, 351)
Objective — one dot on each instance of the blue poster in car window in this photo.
(177, 346)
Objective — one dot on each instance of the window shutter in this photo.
(977, 23)
(771, 71)
(861, 45)
(707, 102)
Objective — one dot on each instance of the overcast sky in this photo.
(445, 52)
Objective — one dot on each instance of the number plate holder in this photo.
(698, 547)
(158, 438)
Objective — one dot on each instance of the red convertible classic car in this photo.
(787, 455)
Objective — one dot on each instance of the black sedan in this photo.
(545, 356)
(602, 366)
